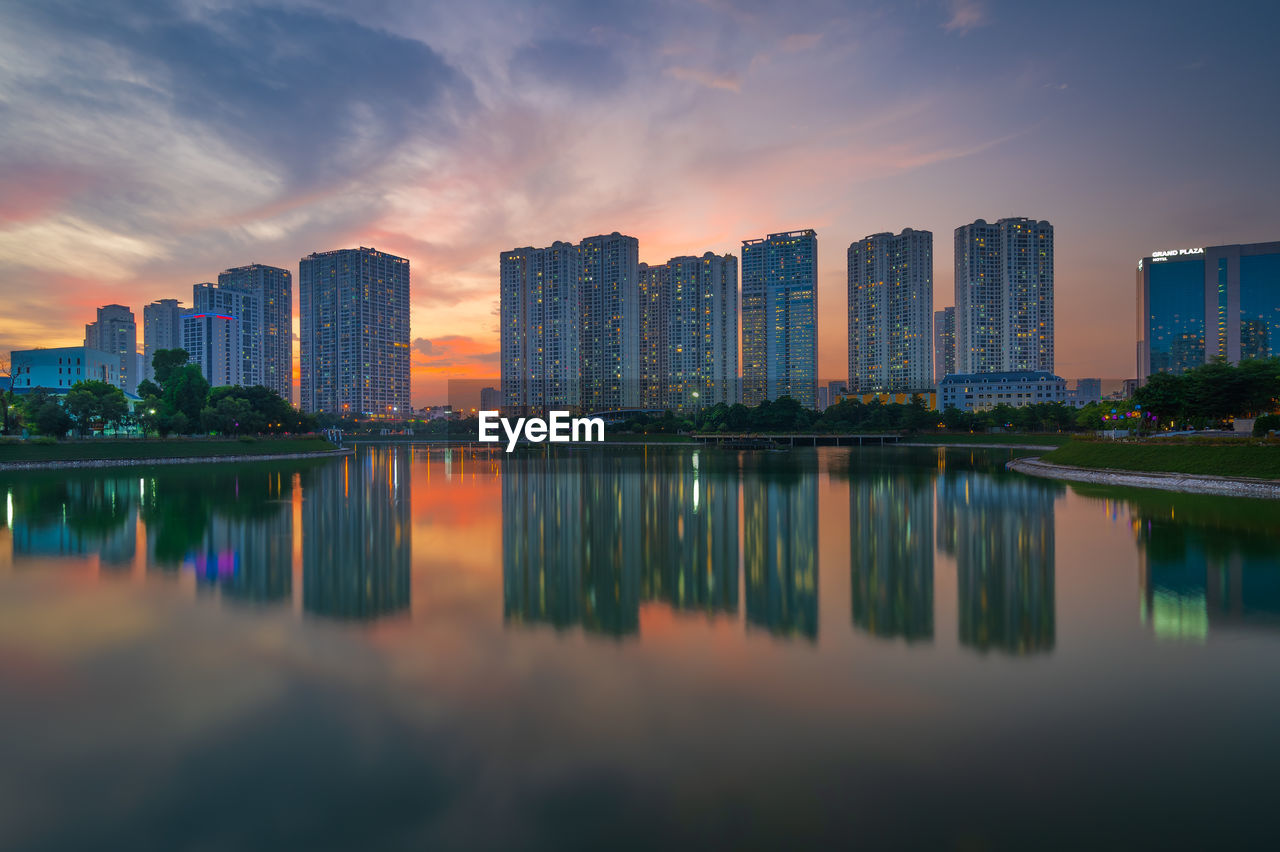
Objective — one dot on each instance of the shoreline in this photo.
(1186, 483)
(74, 464)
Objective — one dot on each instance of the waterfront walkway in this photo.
(1187, 483)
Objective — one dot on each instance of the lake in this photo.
(418, 647)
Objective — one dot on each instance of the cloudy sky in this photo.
(145, 146)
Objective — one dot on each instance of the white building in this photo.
(539, 339)
(1004, 296)
(978, 391)
(116, 332)
(213, 343)
(891, 312)
(245, 307)
(780, 318)
(161, 329)
(56, 370)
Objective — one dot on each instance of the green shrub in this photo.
(1265, 424)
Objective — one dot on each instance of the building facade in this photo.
(243, 305)
(944, 343)
(978, 391)
(540, 348)
(116, 332)
(213, 343)
(354, 310)
(654, 283)
(272, 288)
(890, 312)
(689, 339)
(161, 329)
(1197, 305)
(1004, 296)
(609, 334)
(780, 318)
(56, 370)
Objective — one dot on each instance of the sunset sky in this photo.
(146, 146)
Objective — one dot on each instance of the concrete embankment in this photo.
(74, 464)
(1186, 483)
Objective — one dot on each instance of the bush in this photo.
(247, 439)
(1265, 424)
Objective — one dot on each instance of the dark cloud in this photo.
(568, 65)
(318, 96)
(421, 344)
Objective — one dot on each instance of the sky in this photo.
(146, 146)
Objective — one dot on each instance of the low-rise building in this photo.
(56, 370)
(978, 391)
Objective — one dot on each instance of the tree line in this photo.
(179, 401)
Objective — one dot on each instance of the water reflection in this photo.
(587, 536)
(77, 517)
(231, 528)
(1205, 564)
(780, 545)
(891, 554)
(355, 537)
(1001, 532)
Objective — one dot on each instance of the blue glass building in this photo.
(1197, 305)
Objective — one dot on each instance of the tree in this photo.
(49, 417)
(185, 391)
(165, 361)
(95, 405)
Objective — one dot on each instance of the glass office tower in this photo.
(1197, 305)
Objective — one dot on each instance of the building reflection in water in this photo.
(689, 519)
(1001, 531)
(356, 552)
(77, 515)
(1205, 565)
(586, 536)
(780, 541)
(891, 549)
(246, 551)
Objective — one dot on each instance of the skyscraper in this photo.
(654, 281)
(944, 343)
(161, 329)
(213, 342)
(609, 295)
(780, 318)
(539, 307)
(354, 307)
(890, 311)
(1004, 296)
(1198, 304)
(689, 321)
(273, 289)
(244, 306)
(116, 333)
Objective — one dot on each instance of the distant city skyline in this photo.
(132, 174)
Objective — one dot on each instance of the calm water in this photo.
(633, 648)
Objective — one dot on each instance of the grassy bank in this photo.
(158, 448)
(1238, 458)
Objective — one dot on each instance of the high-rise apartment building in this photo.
(891, 312)
(944, 343)
(272, 287)
(654, 283)
(689, 332)
(116, 333)
(1200, 304)
(571, 317)
(780, 318)
(609, 334)
(243, 305)
(161, 329)
(354, 308)
(1004, 296)
(213, 342)
(539, 308)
